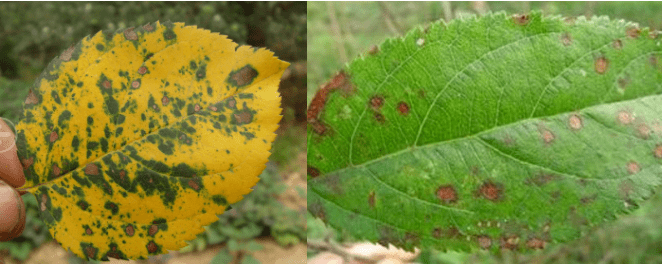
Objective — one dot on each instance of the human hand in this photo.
(12, 209)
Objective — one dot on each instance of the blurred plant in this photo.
(257, 215)
(32, 33)
(243, 253)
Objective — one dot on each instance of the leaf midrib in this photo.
(476, 135)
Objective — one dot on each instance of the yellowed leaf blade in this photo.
(134, 140)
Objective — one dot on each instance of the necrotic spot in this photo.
(243, 76)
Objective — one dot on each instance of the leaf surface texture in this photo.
(134, 140)
(494, 132)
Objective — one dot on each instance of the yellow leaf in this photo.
(133, 141)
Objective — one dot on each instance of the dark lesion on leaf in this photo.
(341, 81)
(447, 194)
(312, 171)
(243, 76)
(521, 19)
(490, 190)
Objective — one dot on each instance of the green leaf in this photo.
(495, 132)
(223, 257)
(249, 259)
(233, 245)
(252, 246)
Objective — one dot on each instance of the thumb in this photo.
(12, 213)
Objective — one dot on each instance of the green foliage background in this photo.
(340, 31)
(33, 33)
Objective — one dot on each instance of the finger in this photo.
(12, 213)
(11, 170)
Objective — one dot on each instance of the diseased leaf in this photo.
(134, 140)
(494, 132)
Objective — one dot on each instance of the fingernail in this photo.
(10, 211)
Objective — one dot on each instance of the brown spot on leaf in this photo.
(373, 50)
(91, 169)
(319, 128)
(484, 241)
(411, 239)
(66, 54)
(340, 81)
(490, 191)
(371, 199)
(657, 151)
(165, 100)
(376, 102)
(379, 117)
(142, 70)
(536, 243)
(566, 39)
(449, 233)
(88, 231)
(106, 84)
(314, 172)
(521, 19)
(244, 76)
(32, 98)
(632, 167)
(44, 200)
(27, 162)
(56, 170)
(197, 108)
(148, 27)
(53, 137)
(624, 117)
(575, 122)
(244, 117)
(437, 233)
(212, 108)
(643, 131)
(135, 84)
(510, 242)
(403, 108)
(542, 179)
(130, 34)
(601, 65)
(152, 247)
(90, 251)
(129, 230)
(153, 230)
(633, 32)
(113, 254)
(547, 136)
(447, 194)
(193, 184)
(617, 44)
